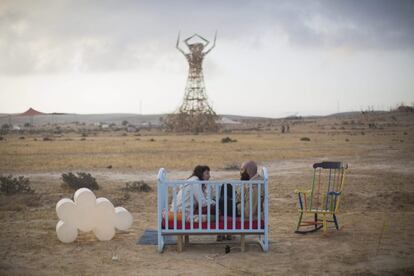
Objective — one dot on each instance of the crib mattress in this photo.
(204, 225)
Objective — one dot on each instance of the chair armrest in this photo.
(302, 198)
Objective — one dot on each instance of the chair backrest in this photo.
(327, 185)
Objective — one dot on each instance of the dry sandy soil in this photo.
(377, 214)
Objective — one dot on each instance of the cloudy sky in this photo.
(272, 58)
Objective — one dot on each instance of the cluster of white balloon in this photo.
(87, 213)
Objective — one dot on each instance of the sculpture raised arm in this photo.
(178, 44)
(214, 44)
(202, 38)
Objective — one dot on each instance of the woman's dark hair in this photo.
(199, 170)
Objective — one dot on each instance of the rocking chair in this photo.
(323, 199)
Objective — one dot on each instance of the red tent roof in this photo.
(31, 112)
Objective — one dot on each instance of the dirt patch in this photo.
(376, 215)
(378, 201)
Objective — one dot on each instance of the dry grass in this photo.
(377, 216)
(178, 152)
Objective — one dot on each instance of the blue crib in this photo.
(176, 222)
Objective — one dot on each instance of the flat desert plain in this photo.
(376, 219)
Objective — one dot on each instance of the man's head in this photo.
(247, 170)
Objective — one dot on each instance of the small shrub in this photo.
(12, 185)
(22, 137)
(83, 139)
(228, 140)
(307, 139)
(405, 133)
(47, 139)
(80, 180)
(152, 140)
(1, 138)
(137, 186)
(84, 134)
(232, 167)
(120, 201)
(346, 140)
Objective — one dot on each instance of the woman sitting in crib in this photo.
(200, 197)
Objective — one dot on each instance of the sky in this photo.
(272, 58)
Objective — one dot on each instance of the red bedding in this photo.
(213, 224)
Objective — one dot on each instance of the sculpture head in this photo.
(196, 47)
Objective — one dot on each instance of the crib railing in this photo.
(167, 194)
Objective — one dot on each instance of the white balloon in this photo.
(105, 212)
(85, 202)
(104, 232)
(85, 220)
(87, 213)
(66, 232)
(85, 198)
(123, 219)
(66, 210)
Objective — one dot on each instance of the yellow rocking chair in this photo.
(323, 199)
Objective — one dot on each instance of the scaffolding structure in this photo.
(195, 113)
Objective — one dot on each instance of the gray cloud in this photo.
(55, 36)
(378, 24)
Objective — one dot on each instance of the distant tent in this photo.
(31, 112)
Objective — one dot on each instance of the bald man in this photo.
(248, 171)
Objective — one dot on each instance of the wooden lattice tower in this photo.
(195, 113)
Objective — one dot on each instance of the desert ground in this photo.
(377, 212)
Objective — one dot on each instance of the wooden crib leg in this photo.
(179, 243)
(242, 243)
(187, 239)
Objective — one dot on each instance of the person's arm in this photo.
(198, 194)
(212, 195)
(247, 203)
(213, 192)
